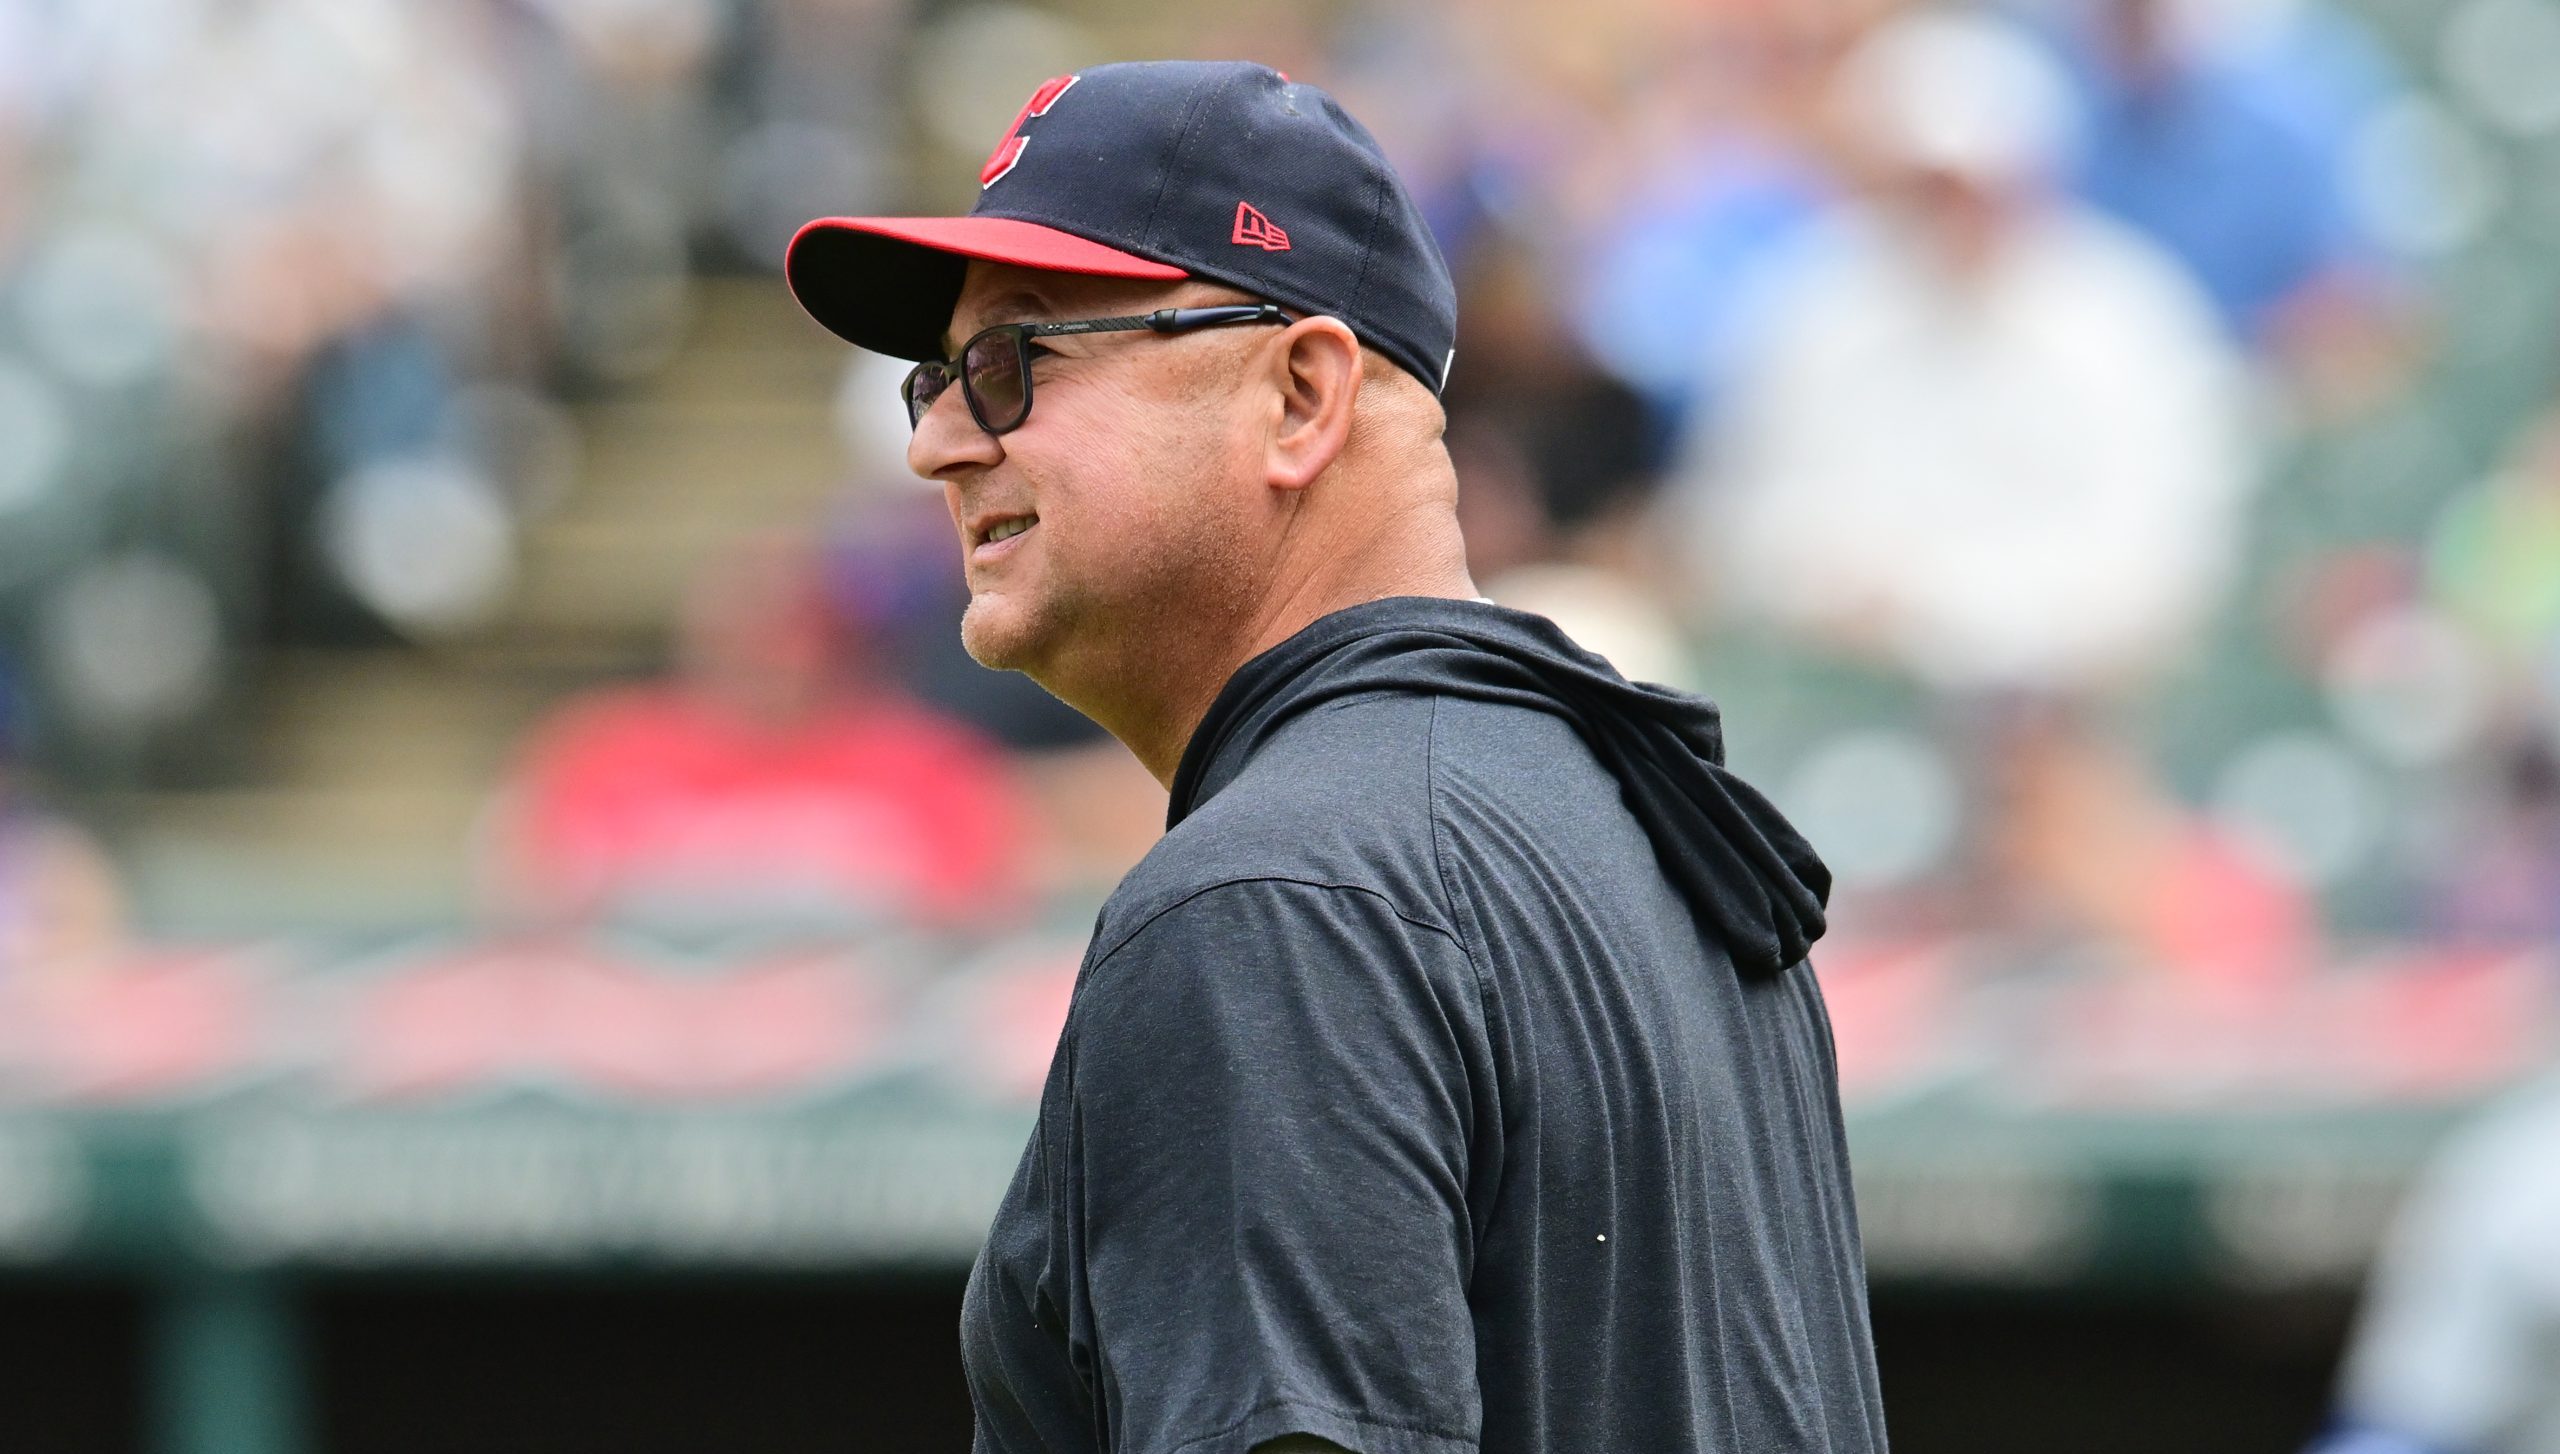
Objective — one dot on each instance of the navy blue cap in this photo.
(1221, 170)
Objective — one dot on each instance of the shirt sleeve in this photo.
(1272, 1117)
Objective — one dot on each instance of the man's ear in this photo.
(1317, 366)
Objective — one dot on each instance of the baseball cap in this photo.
(1968, 95)
(1220, 170)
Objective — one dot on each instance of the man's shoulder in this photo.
(1360, 795)
(1239, 920)
(1341, 799)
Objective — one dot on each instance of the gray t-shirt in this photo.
(1438, 1085)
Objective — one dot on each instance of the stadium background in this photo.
(518, 931)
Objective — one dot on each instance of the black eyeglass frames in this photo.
(994, 366)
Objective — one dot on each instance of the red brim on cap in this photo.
(889, 283)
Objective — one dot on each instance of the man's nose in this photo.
(947, 439)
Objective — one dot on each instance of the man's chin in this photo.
(997, 635)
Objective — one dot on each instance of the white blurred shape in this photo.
(2304, 801)
(2503, 59)
(35, 438)
(436, 173)
(1958, 93)
(100, 305)
(976, 65)
(2409, 685)
(428, 543)
(132, 641)
(1603, 614)
(871, 417)
(614, 29)
(1880, 807)
(2424, 183)
(2031, 481)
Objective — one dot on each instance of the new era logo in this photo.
(1255, 230)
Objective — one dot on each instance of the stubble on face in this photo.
(1143, 549)
(1136, 559)
(1118, 563)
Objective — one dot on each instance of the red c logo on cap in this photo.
(1009, 150)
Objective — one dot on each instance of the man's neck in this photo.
(1159, 736)
(1333, 563)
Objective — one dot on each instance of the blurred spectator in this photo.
(61, 905)
(268, 248)
(2493, 567)
(327, 164)
(620, 134)
(1720, 184)
(821, 131)
(2457, 1347)
(2323, 69)
(2079, 846)
(2498, 879)
(773, 781)
(1588, 451)
(1561, 464)
(1987, 437)
(1466, 105)
(2232, 152)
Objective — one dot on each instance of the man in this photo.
(1448, 1077)
(1985, 436)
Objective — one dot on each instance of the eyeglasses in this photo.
(994, 366)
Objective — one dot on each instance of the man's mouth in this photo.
(994, 537)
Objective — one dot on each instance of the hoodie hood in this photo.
(1745, 871)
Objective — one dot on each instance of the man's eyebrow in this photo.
(1014, 305)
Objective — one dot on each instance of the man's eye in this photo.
(1041, 350)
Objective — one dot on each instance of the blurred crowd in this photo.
(2056, 430)
(294, 298)
(296, 290)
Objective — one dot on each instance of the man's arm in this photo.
(1273, 1111)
